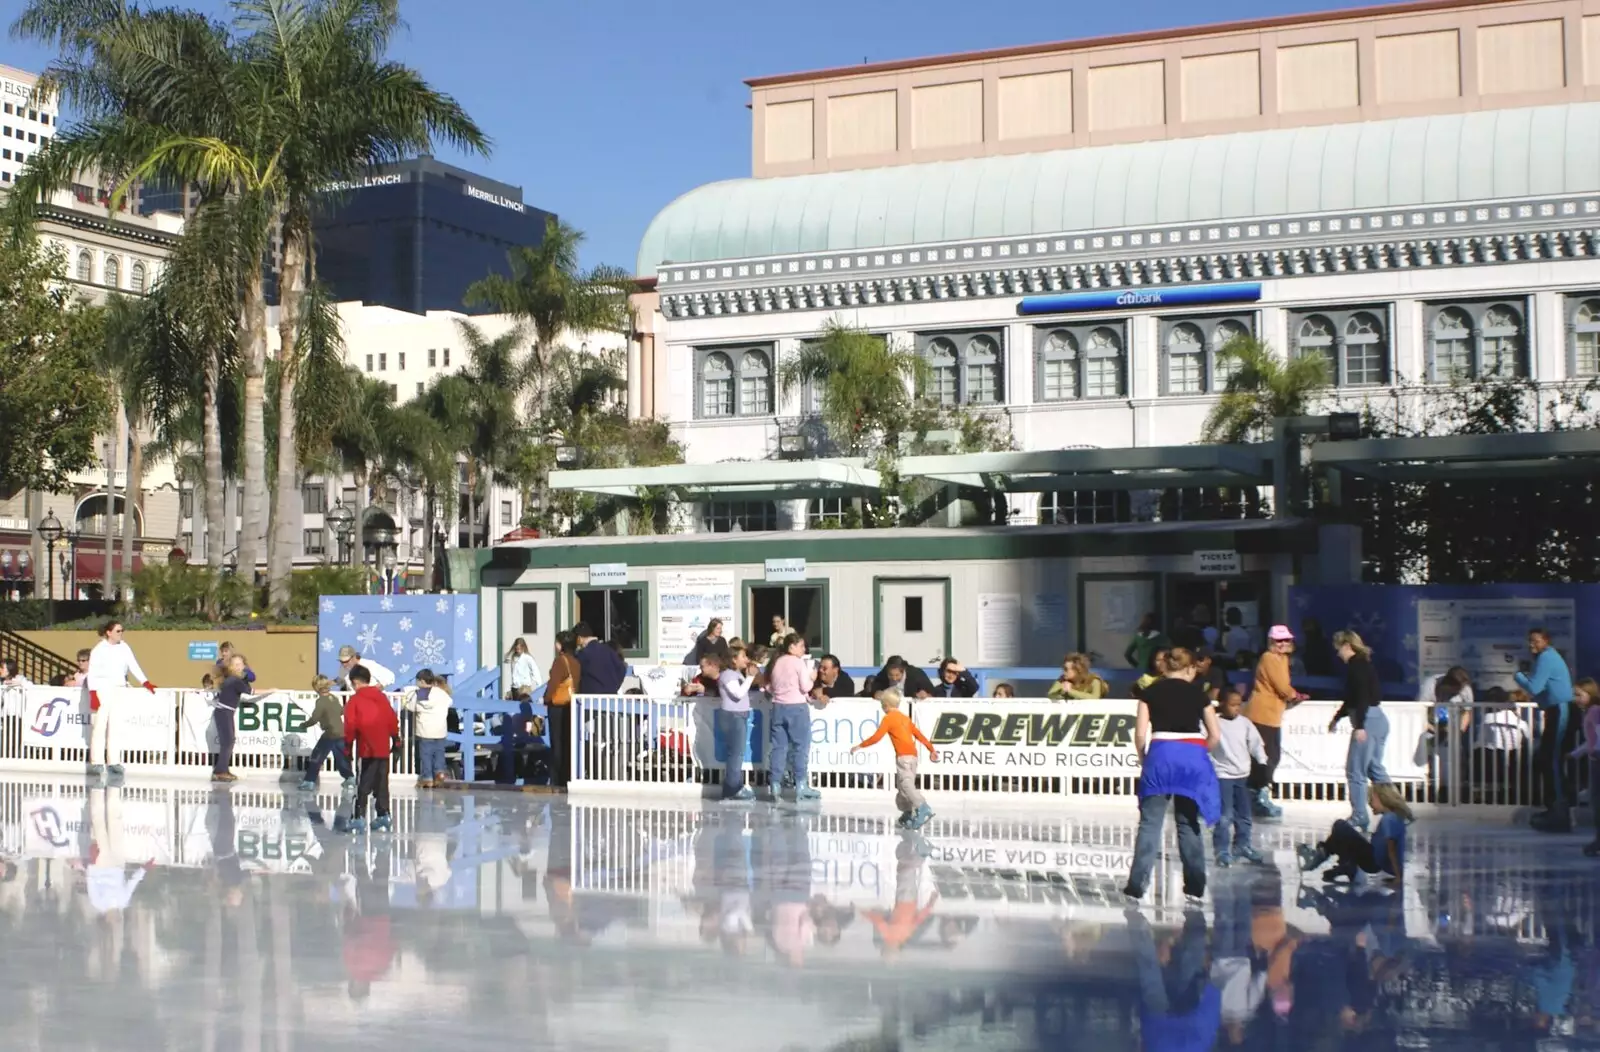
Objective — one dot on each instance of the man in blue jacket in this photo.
(1550, 684)
(603, 669)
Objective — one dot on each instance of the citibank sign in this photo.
(1112, 299)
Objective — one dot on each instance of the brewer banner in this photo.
(265, 839)
(58, 717)
(273, 724)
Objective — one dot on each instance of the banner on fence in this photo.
(274, 724)
(265, 839)
(1081, 739)
(58, 717)
(105, 821)
(1312, 753)
(835, 728)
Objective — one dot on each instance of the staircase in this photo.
(38, 664)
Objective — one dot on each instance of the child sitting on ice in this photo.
(914, 810)
(1385, 853)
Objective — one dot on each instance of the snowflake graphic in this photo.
(1409, 641)
(327, 645)
(466, 637)
(386, 603)
(405, 624)
(442, 606)
(404, 669)
(368, 637)
(1370, 626)
(461, 609)
(347, 620)
(429, 650)
(327, 606)
(397, 649)
(461, 667)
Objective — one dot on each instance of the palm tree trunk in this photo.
(211, 439)
(113, 451)
(280, 563)
(132, 497)
(427, 540)
(253, 352)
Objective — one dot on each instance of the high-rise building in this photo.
(27, 120)
(414, 235)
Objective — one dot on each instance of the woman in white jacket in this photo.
(430, 704)
(111, 666)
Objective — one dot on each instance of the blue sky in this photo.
(604, 112)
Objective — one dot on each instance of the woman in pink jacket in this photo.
(789, 682)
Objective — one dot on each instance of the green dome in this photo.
(1416, 161)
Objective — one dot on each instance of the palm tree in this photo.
(423, 450)
(1261, 388)
(864, 383)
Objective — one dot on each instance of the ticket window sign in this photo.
(1217, 564)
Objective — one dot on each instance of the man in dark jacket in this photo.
(954, 681)
(603, 669)
(832, 681)
(909, 680)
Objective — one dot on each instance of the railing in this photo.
(477, 702)
(39, 664)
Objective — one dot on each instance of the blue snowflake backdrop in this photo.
(405, 633)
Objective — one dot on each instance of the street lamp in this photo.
(566, 455)
(50, 532)
(343, 522)
(389, 573)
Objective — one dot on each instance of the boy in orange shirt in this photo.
(914, 810)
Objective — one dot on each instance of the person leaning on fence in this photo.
(1500, 741)
(602, 669)
(1077, 681)
(898, 674)
(914, 810)
(327, 715)
(80, 677)
(1586, 695)
(1369, 727)
(955, 681)
(1549, 683)
(564, 676)
(230, 695)
(832, 680)
(350, 657)
(371, 728)
(111, 666)
(11, 676)
(429, 702)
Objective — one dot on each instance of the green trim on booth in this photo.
(500, 621)
(1083, 598)
(877, 612)
(646, 611)
(752, 583)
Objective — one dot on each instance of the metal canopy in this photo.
(746, 479)
(1145, 467)
(1451, 458)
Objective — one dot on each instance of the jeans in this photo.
(1236, 805)
(1364, 764)
(790, 745)
(735, 730)
(327, 746)
(1147, 848)
(558, 721)
(430, 758)
(223, 719)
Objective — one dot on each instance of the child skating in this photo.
(1238, 743)
(1385, 853)
(914, 810)
(371, 727)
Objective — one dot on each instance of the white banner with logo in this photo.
(835, 729)
(271, 724)
(103, 820)
(58, 717)
(1312, 753)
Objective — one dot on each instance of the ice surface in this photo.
(172, 916)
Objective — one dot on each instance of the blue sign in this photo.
(1114, 299)
(204, 652)
(404, 633)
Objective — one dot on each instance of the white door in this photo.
(529, 614)
(912, 620)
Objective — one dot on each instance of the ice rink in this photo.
(172, 916)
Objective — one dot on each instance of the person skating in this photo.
(1586, 695)
(1369, 727)
(789, 681)
(429, 702)
(914, 810)
(328, 717)
(1270, 696)
(230, 694)
(370, 726)
(1549, 683)
(1385, 853)
(1238, 745)
(111, 666)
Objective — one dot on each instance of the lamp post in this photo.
(389, 572)
(7, 570)
(50, 532)
(342, 521)
(73, 537)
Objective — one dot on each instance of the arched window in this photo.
(983, 371)
(716, 385)
(113, 272)
(85, 271)
(1365, 357)
(1226, 365)
(1102, 367)
(755, 384)
(1315, 336)
(1452, 345)
(1186, 360)
(1586, 339)
(1058, 359)
(942, 386)
(1502, 341)
(137, 276)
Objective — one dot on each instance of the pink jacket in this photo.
(791, 681)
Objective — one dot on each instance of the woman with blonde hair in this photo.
(1369, 726)
(1077, 681)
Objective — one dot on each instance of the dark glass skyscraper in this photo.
(414, 235)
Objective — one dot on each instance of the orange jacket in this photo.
(897, 928)
(1272, 692)
(905, 734)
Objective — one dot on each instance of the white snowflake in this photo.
(461, 609)
(347, 620)
(404, 669)
(386, 603)
(405, 624)
(397, 649)
(327, 606)
(429, 650)
(327, 645)
(442, 606)
(368, 637)
(466, 637)
(461, 667)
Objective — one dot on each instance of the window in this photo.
(913, 612)
(419, 388)
(505, 513)
(138, 277)
(186, 504)
(8, 107)
(1353, 341)
(530, 619)
(383, 363)
(348, 496)
(1079, 361)
(113, 272)
(802, 606)
(85, 266)
(32, 137)
(964, 368)
(1452, 345)
(823, 512)
(1192, 359)
(369, 363)
(739, 516)
(402, 361)
(187, 542)
(1084, 507)
(33, 115)
(394, 392)
(1585, 337)
(734, 382)
(614, 614)
(44, 118)
(447, 357)
(6, 154)
(315, 544)
(433, 357)
(1471, 340)
(314, 499)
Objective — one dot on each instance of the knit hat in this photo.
(1279, 633)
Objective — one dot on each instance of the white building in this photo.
(28, 120)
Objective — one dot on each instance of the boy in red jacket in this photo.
(369, 728)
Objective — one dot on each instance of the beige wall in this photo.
(285, 660)
(1408, 61)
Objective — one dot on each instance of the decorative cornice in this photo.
(127, 231)
(1463, 235)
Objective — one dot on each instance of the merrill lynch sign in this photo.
(494, 199)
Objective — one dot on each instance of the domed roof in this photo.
(1413, 161)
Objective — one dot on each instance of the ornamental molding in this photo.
(1458, 236)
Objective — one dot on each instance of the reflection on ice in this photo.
(175, 917)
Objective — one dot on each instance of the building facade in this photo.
(28, 120)
(1069, 233)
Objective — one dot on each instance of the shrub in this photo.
(308, 586)
(168, 591)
